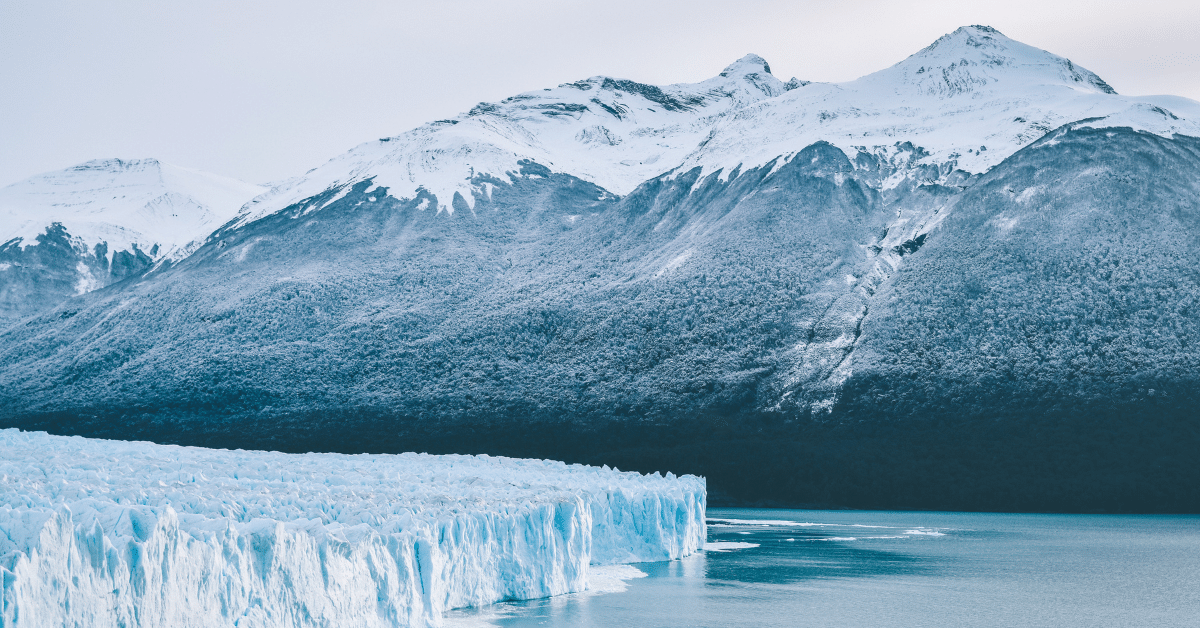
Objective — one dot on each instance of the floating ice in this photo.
(761, 522)
(725, 546)
(108, 533)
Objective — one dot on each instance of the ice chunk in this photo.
(725, 546)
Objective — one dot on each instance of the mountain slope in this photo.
(1067, 272)
(878, 324)
(69, 232)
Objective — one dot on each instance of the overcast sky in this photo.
(263, 90)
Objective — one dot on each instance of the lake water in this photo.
(853, 568)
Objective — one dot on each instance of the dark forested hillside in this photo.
(1023, 339)
(41, 275)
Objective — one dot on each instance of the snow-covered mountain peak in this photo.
(750, 77)
(748, 64)
(973, 58)
(975, 36)
(613, 132)
(149, 166)
(966, 102)
(154, 206)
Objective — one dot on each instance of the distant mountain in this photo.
(965, 281)
(69, 232)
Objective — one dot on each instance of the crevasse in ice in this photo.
(111, 533)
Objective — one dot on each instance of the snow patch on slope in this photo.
(106, 533)
(140, 203)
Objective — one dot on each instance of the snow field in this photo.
(111, 533)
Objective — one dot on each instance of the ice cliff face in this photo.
(107, 533)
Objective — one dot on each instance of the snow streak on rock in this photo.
(109, 533)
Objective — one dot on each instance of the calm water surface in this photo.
(852, 568)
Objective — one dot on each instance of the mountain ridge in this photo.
(625, 131)
(748, 118)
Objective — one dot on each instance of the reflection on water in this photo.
(849, 568)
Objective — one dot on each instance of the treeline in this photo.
(1085, 458)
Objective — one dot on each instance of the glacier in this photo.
(113, 533)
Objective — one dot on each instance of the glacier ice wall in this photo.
(112, 533)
